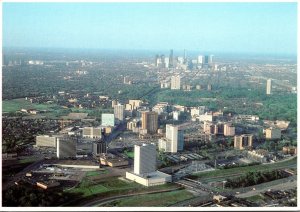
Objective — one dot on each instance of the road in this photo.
(282, 186)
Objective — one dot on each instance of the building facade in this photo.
(108, 119)
(144, 159)
(150, 121)
(175, 82)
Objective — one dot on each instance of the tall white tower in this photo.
(269, 86)
(144, 159)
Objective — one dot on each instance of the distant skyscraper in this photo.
(144, 159)
(150, 121)
(200, 59)
(171, 59)
(184, 57)
(175, 82)
(269, 86)
(119, 112)
(210, 59)
(206, 59)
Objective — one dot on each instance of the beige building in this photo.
(150, 122)
(119, 112)
(273, 133)
(229, 130)
(243, 141)
(175, 82)
(46, 141)
(135, 104)
(292, 150)
(91, 132)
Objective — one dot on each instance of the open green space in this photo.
(129, 154)
(219, 175)
(96, 173)
(157, 199)
(255, 198)
(87, 187)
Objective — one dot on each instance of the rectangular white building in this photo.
(46, 141)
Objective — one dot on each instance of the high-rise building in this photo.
(150, 121)
(65, 147)
(108, 119)
(210, 59)
(91, 132)
(269, 86)
(206, 59)
(171, 59)
(200, 59)
(119, 112)
(114, 103)
(144, 159)
(174, 140)
(184, 57)
(175, 82)
(166, 62)
(229, 130)
(243, 141)
(99, 147)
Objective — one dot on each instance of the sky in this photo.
(207, 27)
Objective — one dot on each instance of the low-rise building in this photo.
(111, 160)
(273, 133)
(291, 150)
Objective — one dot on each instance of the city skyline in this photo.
(210, 27)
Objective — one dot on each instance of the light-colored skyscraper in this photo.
(108, 119)
(210, 59)
(150, 121)
(119, 112)
(269, 86)
(144, 159)
(175, 82)
(174, 139)
(200, 59)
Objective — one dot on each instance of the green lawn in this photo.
(221, 174)
(18, 104)
(129, 154)
(255, 198)
(156, 200)
(87, 187)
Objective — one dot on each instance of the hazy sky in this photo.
(209, 27)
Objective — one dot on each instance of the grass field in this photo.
(255, 198)
(157, 200)
(222, 174)
(129, 154)
(17, 104)
(88, 187)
